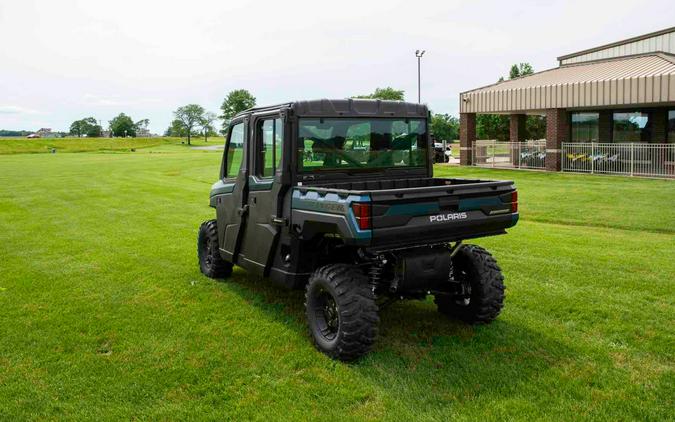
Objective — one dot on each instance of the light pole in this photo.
(419, 55)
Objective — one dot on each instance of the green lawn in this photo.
(105, 316)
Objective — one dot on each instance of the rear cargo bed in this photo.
(431, 210)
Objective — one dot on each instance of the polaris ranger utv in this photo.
(337, 197)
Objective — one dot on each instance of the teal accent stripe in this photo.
(476, 203)
(413, 209)
(331, 203)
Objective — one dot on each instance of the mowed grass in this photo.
(104, 314)
(47, 145)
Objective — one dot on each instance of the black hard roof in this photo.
(351, 107)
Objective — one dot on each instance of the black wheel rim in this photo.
(326, 315)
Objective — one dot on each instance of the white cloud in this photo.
(115, 100)
(14, 109)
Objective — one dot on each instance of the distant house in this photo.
(44, 132)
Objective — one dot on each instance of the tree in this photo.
(387, 93)
(94, 131)
(207, 124)
(520, 69)
(76, 128)
(235, 102)
(175, 129)
(445, 127)
(87, 126)
(141, 126)
(190, 116)
(535, 127)
(122, 125)
(492, 126)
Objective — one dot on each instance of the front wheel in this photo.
(211, 263)
(341, 311)
(482, 285)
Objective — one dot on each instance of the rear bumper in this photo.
(421, 230)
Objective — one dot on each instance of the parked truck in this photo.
(337, 197)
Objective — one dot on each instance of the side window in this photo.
(271, 136)
(235, 151)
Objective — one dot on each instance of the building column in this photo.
(517, 128)
(556, 133)
(605, 126)
(467, 137)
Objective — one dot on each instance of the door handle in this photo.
(278, 221)
(243, 210)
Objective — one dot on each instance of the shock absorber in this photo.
(376, 270)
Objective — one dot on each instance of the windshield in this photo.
(361, 144)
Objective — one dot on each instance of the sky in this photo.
(68, 59)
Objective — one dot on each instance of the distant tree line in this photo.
(387, 93)
(120, 126)
(21, 133)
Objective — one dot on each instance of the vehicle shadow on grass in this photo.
(423, 354)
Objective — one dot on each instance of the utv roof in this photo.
(349, 108)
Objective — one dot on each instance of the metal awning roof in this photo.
(644, 79)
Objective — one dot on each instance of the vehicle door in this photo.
(265, 195)
(232, 189)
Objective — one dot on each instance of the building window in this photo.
(632, 127)
(671, 126)
(585, 127)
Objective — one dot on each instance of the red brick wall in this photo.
(467, 137)
(557, 132)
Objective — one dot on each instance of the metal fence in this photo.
(630, 159)
(528, 154)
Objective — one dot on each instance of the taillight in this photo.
(514, 201)
(362, 213)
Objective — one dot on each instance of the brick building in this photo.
(622, 92)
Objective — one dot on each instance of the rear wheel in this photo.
(341, 311)
(482, 287)
(210, 261)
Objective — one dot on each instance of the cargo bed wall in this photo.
(380, 184)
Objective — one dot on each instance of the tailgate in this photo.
(453, 210)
